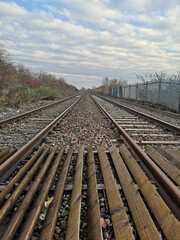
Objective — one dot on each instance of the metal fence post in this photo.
(146, 92)
(129, 91)
(159, 90)
(120, 91)
(117, 91)
(178, 108)
(136, 91)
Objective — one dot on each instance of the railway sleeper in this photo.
(40, 202)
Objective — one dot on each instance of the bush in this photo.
(20, 85)
(47, 91)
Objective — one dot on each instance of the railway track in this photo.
(160, 110)
(81, 191)
(140, 124)
(18, 130)
(28, 113)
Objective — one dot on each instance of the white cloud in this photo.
(91, 39)
(11, 9)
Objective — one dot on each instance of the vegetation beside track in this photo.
(21, 86)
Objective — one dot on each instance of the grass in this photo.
(17, 94)
(47, 91)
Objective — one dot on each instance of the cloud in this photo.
(11, 9)
(92, 39)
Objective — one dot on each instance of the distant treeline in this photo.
(20, 85)
(107, 83)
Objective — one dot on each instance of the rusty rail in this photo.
(172, 195)
(6, 156)
(20, 174)
(18, 216)
(11, 119)
(13, 198)
(49, 180)
(52, 215)
(164, 124)
(32, 143)
(93, 200)
(75, 206)
(141, 216)
(30, 223)
(164, 217)
(122, 229)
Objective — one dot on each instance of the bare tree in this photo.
(105, 81)
(118, 82)
(7, 68)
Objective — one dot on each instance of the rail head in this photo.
(164, 124)
(19, 116)
(169, 187)
(33, 142)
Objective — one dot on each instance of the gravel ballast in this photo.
(18, 133)
(166, 116)
(85, 124)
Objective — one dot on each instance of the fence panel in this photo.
(133, 92)
(164, 93)
(126, 92)
(152, 95)
(141, 92)
(169, 95)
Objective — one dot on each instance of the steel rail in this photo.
(73, 228)
(11, 119)
(93, 212)
(172, 114)
(170, 188)
(13, 198)
(52, 214)
(142, 218)
(17, 218)
(20, 174)
(30, 222)
(121, 226)
(3, 159)
(33, 142)
(146, 116)
(4, 152)
(167, 221)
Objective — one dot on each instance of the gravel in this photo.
(7, 112)
(163, 115)
(85, 124)
(20, 132)
(117, 112)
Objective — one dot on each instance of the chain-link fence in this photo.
(166, 93)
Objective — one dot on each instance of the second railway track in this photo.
(18, 130)
(83, 181)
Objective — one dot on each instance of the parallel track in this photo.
(144, 125)
(7, 166)
(144, 106)
(159, 170)
(26, 114)
(110, 196)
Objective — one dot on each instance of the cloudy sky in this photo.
(86, 40)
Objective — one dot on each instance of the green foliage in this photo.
(47, 91)
(18, 94)
(20, 85)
